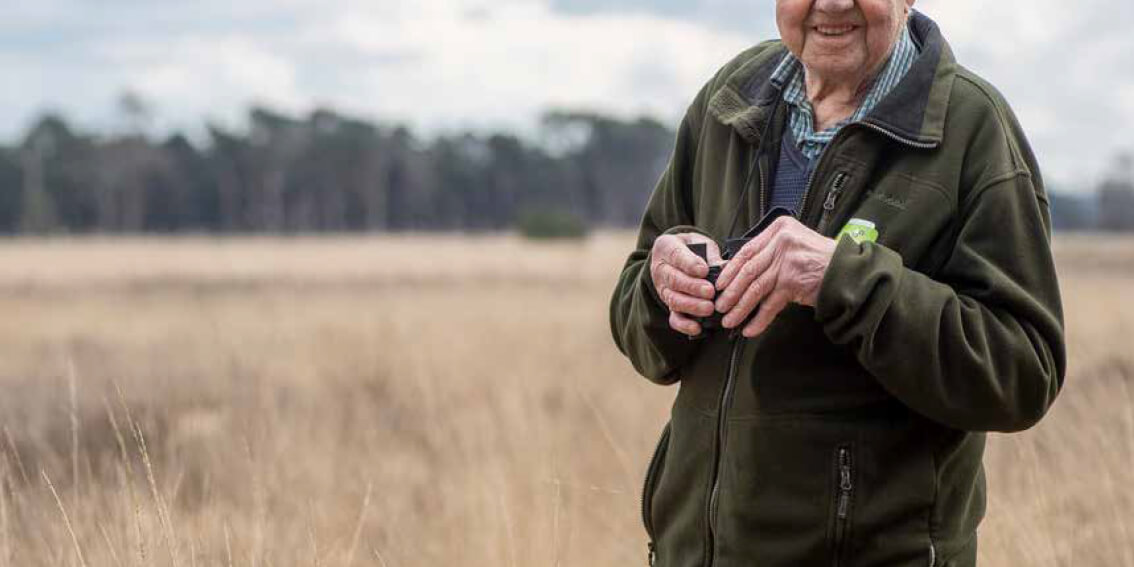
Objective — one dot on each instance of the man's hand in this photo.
(679, 277)
(784, 264)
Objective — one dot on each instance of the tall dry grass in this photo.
(404, 401)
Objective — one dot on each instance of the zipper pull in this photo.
(845, 482)
(829, 203)
(844, 470)
(653, 557)
(833, 194)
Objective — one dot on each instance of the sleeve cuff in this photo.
(647, 280)
(850, 276)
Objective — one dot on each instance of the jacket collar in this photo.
(914, 112)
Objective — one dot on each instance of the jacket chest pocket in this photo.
(899, 212)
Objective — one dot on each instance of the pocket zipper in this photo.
(648, 486)
(845, 492)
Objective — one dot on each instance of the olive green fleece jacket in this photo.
(851, 433)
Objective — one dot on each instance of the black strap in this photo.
(744, 191)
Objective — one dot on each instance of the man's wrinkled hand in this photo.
(784, 264)
(679, 278)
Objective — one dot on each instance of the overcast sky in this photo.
(441, 65)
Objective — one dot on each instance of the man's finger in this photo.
(760, 288)
(678, 255)
(712, 250)
(683, 324)
(746, 274)
(680, 281)
(714, 254)
(750, 250)
(687, 304)
(769, 309)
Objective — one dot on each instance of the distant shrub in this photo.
(548, 224)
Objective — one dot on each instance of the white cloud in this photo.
(511, 62)
(442, 64)
(199, 76)
(434, 63)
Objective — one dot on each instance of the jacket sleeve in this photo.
(639, 321)
(979, 346)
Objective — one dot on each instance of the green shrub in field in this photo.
(549, 223)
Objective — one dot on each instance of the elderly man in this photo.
(906, 307)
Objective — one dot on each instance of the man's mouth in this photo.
(835, 31)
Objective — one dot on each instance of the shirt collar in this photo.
(742, 95)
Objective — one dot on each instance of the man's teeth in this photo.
(834, 30)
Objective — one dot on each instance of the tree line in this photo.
(1109, 207)
(326, 172)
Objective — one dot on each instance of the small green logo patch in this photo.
(860, 231)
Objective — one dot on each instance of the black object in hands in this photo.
(712, 322)
(731, 248)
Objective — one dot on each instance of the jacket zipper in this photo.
(648, 486)
(718, 452)
(845, 491)
(725, 402)
(899, 139)
(832, 197)
(726, 399)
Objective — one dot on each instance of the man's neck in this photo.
(832, 100)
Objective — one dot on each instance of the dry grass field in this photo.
(422, 401)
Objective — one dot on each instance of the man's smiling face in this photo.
(841, 40)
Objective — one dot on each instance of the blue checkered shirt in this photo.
(788, 76)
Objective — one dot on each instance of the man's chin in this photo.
(834, 65)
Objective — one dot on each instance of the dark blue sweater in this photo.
(793, 170)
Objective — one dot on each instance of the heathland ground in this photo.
(424, 400)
